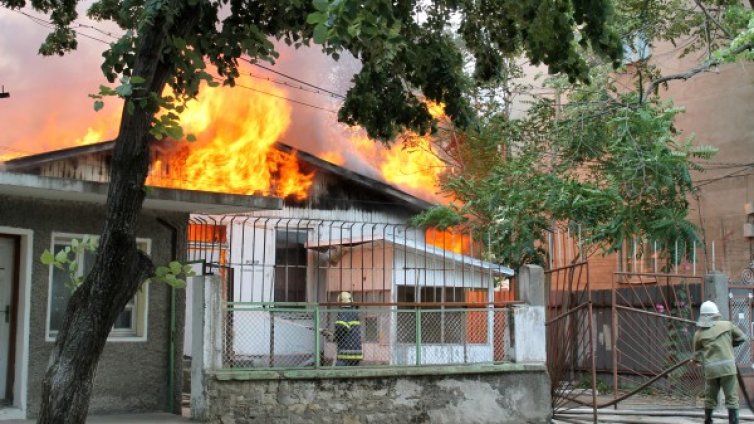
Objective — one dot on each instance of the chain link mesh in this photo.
(267, 336)
(740, 314)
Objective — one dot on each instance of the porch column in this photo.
(716, 290)
(529, 339)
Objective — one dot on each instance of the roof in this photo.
(415, 246)
(26, 162)
(191, 201)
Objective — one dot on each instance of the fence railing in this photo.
(305, 335)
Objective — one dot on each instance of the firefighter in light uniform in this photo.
(348, 333)
(714, 341)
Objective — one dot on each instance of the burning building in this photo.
(310, 229)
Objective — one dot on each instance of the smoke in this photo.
(50, 109)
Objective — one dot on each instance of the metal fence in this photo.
(294, 335)
(740, 314)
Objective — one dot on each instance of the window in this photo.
(438, 326)
(290, 265)
(129, 325)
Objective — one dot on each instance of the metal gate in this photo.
(570, 338)
(628, 344)
(653, 324)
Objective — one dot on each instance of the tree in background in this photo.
(602, 159)
(405, 50)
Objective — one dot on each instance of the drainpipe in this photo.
(171, 351)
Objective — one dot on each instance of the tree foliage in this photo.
(604, 165)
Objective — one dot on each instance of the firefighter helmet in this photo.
(708, 314)
(709, 308)
(345, 297)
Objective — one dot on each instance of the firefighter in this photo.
(714, 341)
(348, 333)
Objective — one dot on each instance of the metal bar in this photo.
(591, 347)
(418, 316)
(669, 317)
(646, 384)
(565, 314)
(614, 340)
(317, 341)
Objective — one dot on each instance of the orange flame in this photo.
(236, 132)
(449, 240)
(412, 165)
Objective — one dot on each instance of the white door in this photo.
(7, 264)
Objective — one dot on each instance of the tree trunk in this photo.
(119, 267)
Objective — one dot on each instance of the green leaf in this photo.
(320, 34)
(161, 271)
(61, 257)
(190, 138)
(98, 105)
(174, 132)
(175, 267)
(135, 79)
(321, 5)
(124, 90)
(316, 18)
(47, 257)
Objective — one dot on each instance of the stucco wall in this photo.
(506, 396)
(131, 376)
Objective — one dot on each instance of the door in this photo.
(8, 263)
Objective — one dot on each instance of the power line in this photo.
(50, 25)
(281, 97)
(332, 93)
(297, 87)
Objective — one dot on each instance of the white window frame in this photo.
(140, 307)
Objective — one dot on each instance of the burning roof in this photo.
(91, 162)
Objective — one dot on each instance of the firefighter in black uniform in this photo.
(348, 333)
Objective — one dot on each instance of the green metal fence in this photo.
(304, 335)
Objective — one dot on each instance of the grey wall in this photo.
(500, 398)
(131, 376)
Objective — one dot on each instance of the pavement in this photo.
(159, 418)
(639, 416)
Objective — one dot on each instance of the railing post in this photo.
(317, 340)
(418, 316)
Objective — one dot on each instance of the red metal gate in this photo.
(627, 344)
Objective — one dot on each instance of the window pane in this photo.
(60, 293)
(124, 320)
(290, 265)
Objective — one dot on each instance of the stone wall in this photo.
(506, 393)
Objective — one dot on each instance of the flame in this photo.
(207, 233)
(236, 132)
(449, 240)
(412, 165)
(415, 166)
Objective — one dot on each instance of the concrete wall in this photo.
(131, 376)
(512, 394)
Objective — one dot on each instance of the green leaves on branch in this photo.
(67, 259)
(171, 274)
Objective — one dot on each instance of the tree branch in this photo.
(691, 72)
(714, 20)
